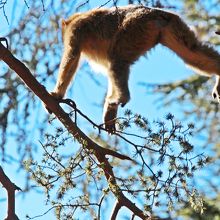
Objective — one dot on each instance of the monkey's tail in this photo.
(177, 36)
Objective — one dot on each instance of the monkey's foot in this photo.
(110, 115)
(216, 93)
(56, 95)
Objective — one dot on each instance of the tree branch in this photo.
(115, 210)
(99, 152)
(10, 187)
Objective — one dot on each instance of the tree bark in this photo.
(10, 187)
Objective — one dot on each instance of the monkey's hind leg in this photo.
(118, 93)
(201, 57)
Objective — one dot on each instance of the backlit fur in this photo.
(115, 38)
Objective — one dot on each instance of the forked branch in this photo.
(99, 152)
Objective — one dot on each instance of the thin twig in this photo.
(115, 210)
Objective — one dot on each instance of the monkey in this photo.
(114, 38)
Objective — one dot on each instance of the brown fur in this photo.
(116, 37)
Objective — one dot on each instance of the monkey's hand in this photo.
(216, 92)
(55, 96)
(109, 115)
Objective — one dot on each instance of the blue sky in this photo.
(160, 66)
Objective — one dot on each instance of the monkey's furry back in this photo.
(128, 32)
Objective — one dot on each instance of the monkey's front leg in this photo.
(67, 70)
(216, 89)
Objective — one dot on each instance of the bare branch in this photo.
(10, 187)
(42, 2)
(82, 4)
(2, 6)
(26, 4)
(99, 152)
(115, 210)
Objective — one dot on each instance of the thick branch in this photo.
(10, 187)
(64, 118)
(51, 103)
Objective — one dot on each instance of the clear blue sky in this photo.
(161, 66)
